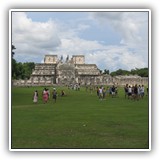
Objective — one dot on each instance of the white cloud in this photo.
(115, 57)
(32, 38)
(129, 25)
(53, 37)
(106, 57)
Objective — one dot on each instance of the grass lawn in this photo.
(78, 121)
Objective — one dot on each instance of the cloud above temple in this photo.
(31, 37)
(132, 26)
(112, 40)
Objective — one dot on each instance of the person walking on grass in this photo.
(35, 97)
(104, 93)
(54, 94)
(136, 93)
(97, 91)
(62, 93)
(45, 95)
(100, 93)
(126, 90)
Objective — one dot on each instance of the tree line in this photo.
(143, 72)
(21, 70)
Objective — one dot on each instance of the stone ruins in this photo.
(56, 71)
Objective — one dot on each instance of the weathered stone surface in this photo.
(55, 71)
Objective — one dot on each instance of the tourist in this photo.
(45, 95)
(100, 93)
(129, 92)
(113, 91)
(104, 93)
(48, 91)
(116, 91)
(62, 93)
(35, 97)
(142, 91)
(75, 87)
(126, 90)
(110, 90)
(79, 86)
(136, 92)
(91, 89)
(139, 91)
(54, 94)
(97, 91)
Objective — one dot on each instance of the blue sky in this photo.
(112, 40)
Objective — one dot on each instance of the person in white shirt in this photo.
(129, 92)
(100, 93)
(35, 97)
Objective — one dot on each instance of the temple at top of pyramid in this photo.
(60, 71)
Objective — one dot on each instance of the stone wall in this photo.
(51, 59)
(78, 59)
(95, 80)
(131, 80)
(65, 73)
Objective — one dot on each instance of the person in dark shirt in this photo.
(54, 94)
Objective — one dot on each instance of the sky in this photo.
(111, 40)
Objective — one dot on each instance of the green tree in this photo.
(21, 70)
(28, 67)
(106, 71)
(13, 48)
(14, 63)
(14, 67)
(100, 71)
(143, 72)
(24, 70)
(120, 72)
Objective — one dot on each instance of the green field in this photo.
(78, 121)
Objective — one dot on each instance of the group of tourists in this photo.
(134, 92)
(74, 86)
(101, 92)
(46, 95)
(111, 91)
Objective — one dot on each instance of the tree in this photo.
(14, 63)
(143, 72)
(28, 67)
(13, 48)
(21, 70)
(106, 71)
(120, 72)
(100, 71)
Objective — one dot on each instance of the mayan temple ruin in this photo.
(57, 71)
